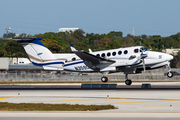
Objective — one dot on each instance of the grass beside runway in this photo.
(5, 106)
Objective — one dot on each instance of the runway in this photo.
(126, 101)
(132, 103)
(77, 86)
(86, 116)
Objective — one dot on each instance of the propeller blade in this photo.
(143, 56)
(144, 65)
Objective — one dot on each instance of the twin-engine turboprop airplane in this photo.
(130, 60)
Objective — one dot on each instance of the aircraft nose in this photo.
(170, 57)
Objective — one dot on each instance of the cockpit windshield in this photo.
(143, 49)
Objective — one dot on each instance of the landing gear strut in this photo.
(169, 74)
(128, 81)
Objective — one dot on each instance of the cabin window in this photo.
(98, 55)
(108, 54)
(136, 50)
(73, 59)
(114, 53)
(125, 52)
(103, 55)
(120, 52)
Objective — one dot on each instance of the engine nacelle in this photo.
(108, 69)
(132, 71)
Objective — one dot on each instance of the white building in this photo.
(67, 29)
(19, 61)
(172, 51)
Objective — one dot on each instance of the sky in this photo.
(149, 17)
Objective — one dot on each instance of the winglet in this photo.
(72, 48)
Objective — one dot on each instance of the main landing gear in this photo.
(128, 81)
(104, 79)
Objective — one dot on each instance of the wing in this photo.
(93, 61)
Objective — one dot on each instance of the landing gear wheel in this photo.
(170, 74)
(104, 79)
(128, 82)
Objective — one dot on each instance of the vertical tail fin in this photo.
(38, 53)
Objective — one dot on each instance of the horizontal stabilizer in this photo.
(26, 39)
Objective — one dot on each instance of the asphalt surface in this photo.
(86, 116)
(77, 86)
(160, 102)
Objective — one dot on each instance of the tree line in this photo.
(59, 42)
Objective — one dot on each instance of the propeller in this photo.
(142, 56)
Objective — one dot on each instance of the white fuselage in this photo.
(129, 56)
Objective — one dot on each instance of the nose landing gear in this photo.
(169, 73)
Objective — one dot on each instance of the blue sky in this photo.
(150, 17)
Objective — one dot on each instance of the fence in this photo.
(153, 75)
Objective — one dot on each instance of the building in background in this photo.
(172, 51)
(67, 29)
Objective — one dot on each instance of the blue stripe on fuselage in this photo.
(51, 63)
(73, 63)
